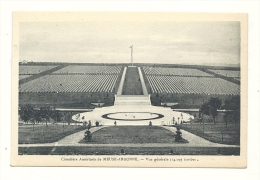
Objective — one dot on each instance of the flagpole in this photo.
(131, 54)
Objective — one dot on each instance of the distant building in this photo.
(25, 62)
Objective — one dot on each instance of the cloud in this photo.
(165, 42)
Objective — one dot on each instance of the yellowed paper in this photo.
(110, 21)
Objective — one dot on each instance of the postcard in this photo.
(129, 89)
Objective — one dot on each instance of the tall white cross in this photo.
(132, 54)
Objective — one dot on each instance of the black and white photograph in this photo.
(129, 89)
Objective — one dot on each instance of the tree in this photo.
(67, 116)
(226, 118)
(46, 113)
(63, 117)
(56, 116)
(211, 107)
(233, 109)
(26, 112)
(37, 116)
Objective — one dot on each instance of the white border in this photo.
(252, 172)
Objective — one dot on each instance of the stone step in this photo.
(132, 103)
(132, 100)
(132, 97)
(137, 101)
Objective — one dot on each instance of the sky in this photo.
(167, 42)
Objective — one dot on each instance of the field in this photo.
(132, 84)
(75, 79)
(23, 76)
(185, 101)
(192, 85)
(29, 70)
(189, 87)
(228, 73)
(175, 71)
(76, 69)
(187, 81)
(66, 100)
(218, 133)
(86, 84)
(132, 134)
(71, 86)
(43, 134)
(71, 83)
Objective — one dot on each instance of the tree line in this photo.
(30, 114)
(231, 108)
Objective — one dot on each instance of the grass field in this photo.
(43, 134)
(132, 134)
(218, 133)
(185, 101)
(76, 150)
(66, 100)
(132, 83)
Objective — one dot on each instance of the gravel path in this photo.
(76, 137)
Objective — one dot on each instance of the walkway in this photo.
(74, 138)
(145, 92)
(120, 88)
(133, 88)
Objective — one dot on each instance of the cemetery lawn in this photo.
(43, 134)
(132, 84)
(218, 133)
(132, 134)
